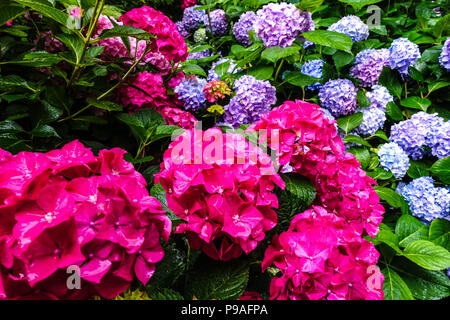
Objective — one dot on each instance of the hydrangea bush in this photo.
(274, 149)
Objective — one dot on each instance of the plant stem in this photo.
(278, 70)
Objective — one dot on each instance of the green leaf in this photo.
(350, 122)
(9, 126)
(170, 268)
(417, 169)
(159, 193)
(437, 85)
(439, 233)
(380, 174)
(389, 195)
(158, 293)
(261, 72)
(356, 139)
(359, 4)
(427, 255)
(441, 169)
(389, 79)
(363, 101)
(105, 105)
(385, 235)
(416, 103)
(420, 234)
(424, 284)
(74, 43)
(222, 68)
(193, 69)
(442, 27)
(361, 154)
(10, 12)
(125, 31)
(44, 131)
(13, 81)
(330, 39)
(218, 280)
(394, 112)
(275, 53)
(341, 59)
(45, 8)
(299, 79)
(394, 287)
(407, 225)
(310, 5)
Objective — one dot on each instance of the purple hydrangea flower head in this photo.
(339, 97)
(368, 66)
(416, 133)
(379, 97)
(199, 54)
(440, 141)
(212, 74)
(192, 19)
(200, 35)
(403, 54)
(243, 26)
(181, 29)
(279, 24)
(351, 26)
(313, 68)
(394, 159)
(373, 119)
(190, 91)
(426, 201)
(444, 58)
(219, 22)
(253, 98)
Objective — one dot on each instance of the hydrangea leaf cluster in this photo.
(225, 196)
(67, 208)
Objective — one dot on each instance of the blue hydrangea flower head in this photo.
(444, 58)
(181, 29)
(313, 68)
(192, 19)
(219, 22)
(403, 54)
(243, 26)
(253, 98)
(426, 201)
(394, 159)
(199, 54)
(190, 91)
(212, 74)
(373, 119)
(379, 97)
(279, 24)
(439, 140)
(339, 97)
(368, 66)
(351, 26)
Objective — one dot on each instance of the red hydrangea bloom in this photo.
(178, 117)
(221, 185)
(169, 42)
(250, 295)
(307, 141)
(215, 90)
(320, 256)
(154, 95)
(188, 3)
(69, 208)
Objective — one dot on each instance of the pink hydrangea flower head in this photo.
(222, 186)
(169, 42)
(69, 208)
(321, 257)
(178, 117)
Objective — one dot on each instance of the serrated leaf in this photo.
(407, 225)
(439, 233)
(389, 79)
(416, 103)
(44, 7)
(437, 85)
(385, 235)
(158, 293)
(428, 255)
(441, 169)
(275, 53)
(159, 193)
(417, 169)
(170, 268)
(261, 72)
(193, 69)
(359, 4)
(125, 31)
(356, 139)
(394, 287)
(420, 234)
(74, 43)
(350, 122)
(389, 195)
(341, 59)
(361, 154)
(330, 39)
(10, 12)
(44, 131)
(105, 105)
(394, 112)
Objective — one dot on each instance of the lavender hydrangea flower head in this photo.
(313, 68)
(192, 19)
(368, 66)
(444, 58)
(339, 97)
(414, 134)
(212, 74)
(394, 159)
(426, 201)
(199, 54)
(200, 35)
(403, 54)
(219, 22)
(440, 141)
(181, 29)
(279, 24)
(379, 97)
(253, 98)
(351, 26)
(190, 91)
(373, 119)
(243, 26)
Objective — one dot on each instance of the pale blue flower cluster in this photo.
(403, 54)
(393, 158)
(351, 26)
(379, 97)
(444, 58)
(373, 119)
(190, 91)
(313, 68)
